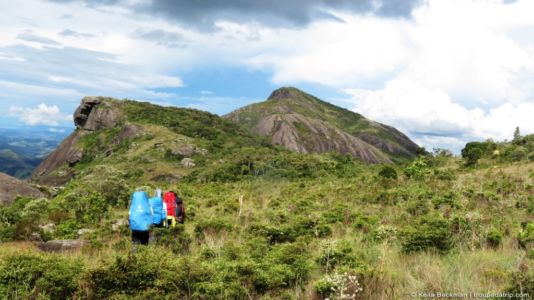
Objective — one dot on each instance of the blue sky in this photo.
(443, 71)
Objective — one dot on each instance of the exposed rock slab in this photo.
(11, 188)
(61, 245)
(303, 123)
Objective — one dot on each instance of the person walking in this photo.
(140, 217)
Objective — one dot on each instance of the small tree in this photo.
(473, 151)
(517, 136)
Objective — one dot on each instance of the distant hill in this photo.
(22, 149)
(303, 123)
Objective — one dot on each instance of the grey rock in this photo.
(85, 231)
(184, 150)
(48, 228)
(61, 245)
(92, 114)
(170, 178)
(187, 163)
(188, 150)
(35, 236)
(116, 226)
(11, 188)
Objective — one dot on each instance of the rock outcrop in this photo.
(301, 122)
(11, 188)
(94, 113)
(61, 245)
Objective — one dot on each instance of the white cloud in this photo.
(40, 115)
(459, 70)
(434, 120)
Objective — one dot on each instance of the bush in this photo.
(430, 232)
(336, 254)
(494, 237)
(174, 238)
(127, 274)
(418, 169)
(518, 153)
(526, 236)
(388, 172)
(212, 226)
(473, 151)
(28, 276)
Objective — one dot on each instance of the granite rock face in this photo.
(303, 123)
(11, 188)
(94, 113)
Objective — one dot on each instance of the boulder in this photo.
(61, 245)
(188, 150)
(11, 188)
(48, 228)
(170, 178)
(187, 163)
(93, 114)
(184, 150)
(85, 231)
(120, 222)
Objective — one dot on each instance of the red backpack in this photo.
(170, 201)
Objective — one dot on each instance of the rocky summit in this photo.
(303, 123)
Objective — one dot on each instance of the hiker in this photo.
(140, 217)
(180, 209)
(159, 213)
(169, 199)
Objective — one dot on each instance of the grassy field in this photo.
(291, 238)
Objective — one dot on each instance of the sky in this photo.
(445, 72)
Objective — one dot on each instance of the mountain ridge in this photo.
(304, 123)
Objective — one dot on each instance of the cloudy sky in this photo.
(443, 71)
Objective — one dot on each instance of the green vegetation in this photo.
(307, 226)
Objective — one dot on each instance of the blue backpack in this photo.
(140, 212)
(157, 209)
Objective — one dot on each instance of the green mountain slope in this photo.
(306, 124)
(163, 143)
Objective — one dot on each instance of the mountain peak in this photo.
(303, 123)
(286, 93)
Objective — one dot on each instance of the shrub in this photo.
(418, 169)
(526, 236)
(518, 153)
(128, 274)
(336, 254)
(430, 232)
(383, 232)
(494, 237)
(174, 238)
(468, 231)
(522, 282)
(473, 151)
(417, 207)
(388, 172)
(28, 276)
(212, 226)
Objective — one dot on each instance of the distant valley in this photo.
(22, 149)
